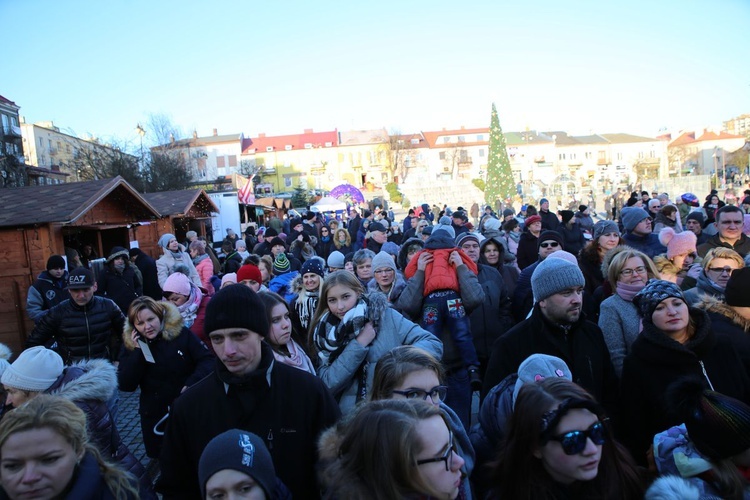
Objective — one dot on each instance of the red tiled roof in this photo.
(683, 139)
(713, 136)
(432, 136)
(297, 141)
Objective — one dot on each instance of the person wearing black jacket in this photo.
(354, 222)
(178, 359)
(84, 326)
(120, 281)
(557, 327)
(676, 341)
(48, 290)
(549, 219)
(247, 390)
(147, 266)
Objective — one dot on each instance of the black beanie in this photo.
(238, 450)
(236, 307)
(55, 262)
(736, 292)
(270, 232)
(550, 235)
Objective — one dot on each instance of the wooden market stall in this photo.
(182, 211)
(39, 221)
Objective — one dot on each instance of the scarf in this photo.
(627, 292)
(177, 255)
(296, 357)
(120, 268)
(325, 239)
(248, 390)
(709, 286)
(189, 310)
(305, 306)
(331, 336)
(200, 258)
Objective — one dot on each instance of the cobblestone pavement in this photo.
(129, 425)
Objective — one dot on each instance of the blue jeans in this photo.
(458, 397)
(444, 310)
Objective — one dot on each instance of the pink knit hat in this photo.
(177, 283)
(677, 243)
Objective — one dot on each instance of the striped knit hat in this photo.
(281, 265)
(653, 294)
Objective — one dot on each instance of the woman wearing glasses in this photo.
(627, 273)
(559, 445)
(718, 265)
(391, 449)
(676, 342)
(408, 372)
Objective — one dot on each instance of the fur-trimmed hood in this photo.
(404, 250)
(173, 324)
(377, 305)
(297, 286)
(714, 305)
(611, 255)
(93, 379)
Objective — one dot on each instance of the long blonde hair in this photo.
(64, 418)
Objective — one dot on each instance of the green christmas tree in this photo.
(500, 184)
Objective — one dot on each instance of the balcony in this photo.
(11, 131)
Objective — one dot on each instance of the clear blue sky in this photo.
(100, 67)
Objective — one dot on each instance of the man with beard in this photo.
(557, 327)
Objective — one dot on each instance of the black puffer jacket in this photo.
(91, 331)
(90, 385)
(123, 288)
(656, 361)
(181, 361)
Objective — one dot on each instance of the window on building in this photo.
(446, 140)
(480, 137)
(652, 154)
(640, 154)
(461, 138)
(619, 156)
(562, 156)
(463, 156)
(481, 153)
(287, 181)
(220, 162)
(232, 160)
(442, 155)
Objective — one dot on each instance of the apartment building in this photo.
(739, 125)
(702, 151)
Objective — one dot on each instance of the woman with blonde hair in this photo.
(391, 449)
(717, 267)
(349, 333)
(628, 273)
(342, 241)
(45, 452)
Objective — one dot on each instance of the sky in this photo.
(98, 68)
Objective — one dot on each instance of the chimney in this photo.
(308, 131)
(463, 127)
(216, 132)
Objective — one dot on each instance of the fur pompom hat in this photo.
(677, 243)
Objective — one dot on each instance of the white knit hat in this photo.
(36, 369)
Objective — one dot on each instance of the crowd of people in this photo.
(317, 357)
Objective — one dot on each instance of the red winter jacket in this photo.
(439, 274)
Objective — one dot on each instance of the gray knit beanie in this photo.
(445, 225)
(603, 227)
(35, 369)
(653, 294)
(632, 216)
(238, 450)
(536, 368)
(552, 276)
(383, 259)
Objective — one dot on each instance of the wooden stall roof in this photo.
(274, 202)
(179, 203)
(64, 203)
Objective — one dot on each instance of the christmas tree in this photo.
(500, 184)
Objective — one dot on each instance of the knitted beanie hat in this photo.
(550, 235)
(492, 224)
(603, 227)
(552, 276)
(653, 294)
(718, 425)
(249, 272)
(5, 354)
(464, 237)
(508, 212)
(677, 243)
(295, 222)
(582, 208)
(229, 278)
(382, 260)
(281, 264)
(566, 215)
(445, 225)
(336, 260)
(237, 450)
(165, 239)
(543, 201)
(177, 283)
(55, 262)
(736, 292)
(537, 367)
(530, 220)
(236, 307)
(36, 369)
(314, 265)
(276, 241)
(270, 232)
(562, 254)
(632, 216)
(390, 247)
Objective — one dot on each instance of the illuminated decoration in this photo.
(347, 191)
(500, 184)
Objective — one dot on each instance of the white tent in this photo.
(328, 204)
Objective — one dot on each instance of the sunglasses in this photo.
(574, 442)
(552, 244)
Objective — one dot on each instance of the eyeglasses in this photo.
(436, 394)
(721, 270)
(446, 457)
(384, 271)
(546, 244)
(574, 442)
(629, 272)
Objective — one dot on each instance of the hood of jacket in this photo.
(173, 324)
(506, 256)
(440, 239)
(93, 379)
(404, 250)
(715, 305)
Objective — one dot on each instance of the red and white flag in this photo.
(245, 194)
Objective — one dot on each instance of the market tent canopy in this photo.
(329, 204)
(348, 191)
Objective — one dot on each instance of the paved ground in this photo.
(129, 425)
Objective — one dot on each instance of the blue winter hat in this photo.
(632, 216)
(314, 265)
(543, 201)
(390, 248)
(165, 239)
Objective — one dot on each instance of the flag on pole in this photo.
(245, 194)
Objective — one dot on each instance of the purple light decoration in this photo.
(348, 191)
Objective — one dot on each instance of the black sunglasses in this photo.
(552, 244)
(574, 442)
